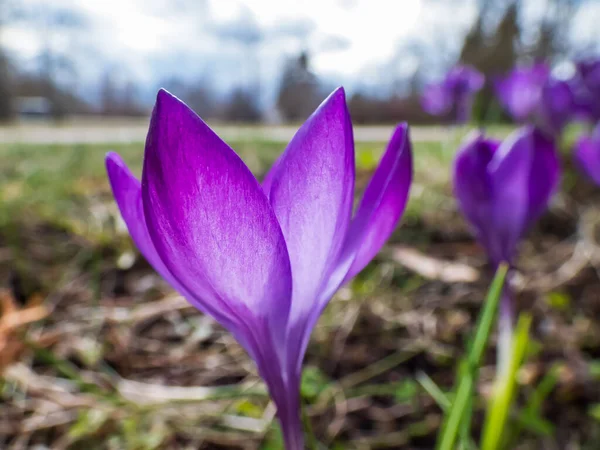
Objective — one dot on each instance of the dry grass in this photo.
(118, 361)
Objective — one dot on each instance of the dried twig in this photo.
(434, 268)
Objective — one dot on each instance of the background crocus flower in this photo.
(502, 188)
(586, 87)
(436, 99)
(520, 91)
(262, 260)
(455, 92)
(557, 106)
(531, 93)
(587, 154)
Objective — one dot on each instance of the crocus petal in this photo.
(520, 91)
(587, 154)
(209, 219)
(312, 191)
(456, 92)
(473, 187)
(557, 106)
(589, 71)
(463, 107)
(379, 211)
(311, 194)
(127, 191)
(585, 85)
(584, 105)
(503, 188)
(465, 79)
(510, 171)
(475, 80)
(544, 174)
(436, 100)
(382, 204)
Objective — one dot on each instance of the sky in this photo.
(226, 43)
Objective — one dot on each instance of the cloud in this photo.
(243, 31)
(348, 4)
(330, 43)
(297, 28)
(150, 40)
(586, 23)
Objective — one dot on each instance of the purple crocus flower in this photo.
(455, 92)
(531, 94)
(521, 90)
(587, 154)
(262, 260)
(589, 70)
(557, 106)
(502, 188)
(586, 87)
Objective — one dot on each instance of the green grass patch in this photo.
(68, 183)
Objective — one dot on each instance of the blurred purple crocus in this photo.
(262, 260)
(532, 94)
(587, 154)
(520, 91)
(454, 93)
(502, 188)
(586, 87)
(557, 106)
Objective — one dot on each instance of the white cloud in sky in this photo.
(22, 40)
(124, 28)
(587, 19)
(360, 41)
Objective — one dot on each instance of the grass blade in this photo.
(469, 367)
(433, 390)
(504, 390)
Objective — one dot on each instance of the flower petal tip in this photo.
(164, 96)
(116, 167)
(400, 126)
(472, 139)
(113, 159)
(169, 103)
(401, 129)
(400, 139)
(339, 91)
(337, 99)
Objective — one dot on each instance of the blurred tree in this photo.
(28, 85)
(496, 52)
(130, 104)
(6, 91)
(475, 42)
(504, 48)
(369, 109)
(198, 95)
(299, 92)
(109, 95)
(119, 98)
(242, 107)
(493, 53)
(416, 82)
(200, 98)
(554, 30)
(56, 76)
(495, 43)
